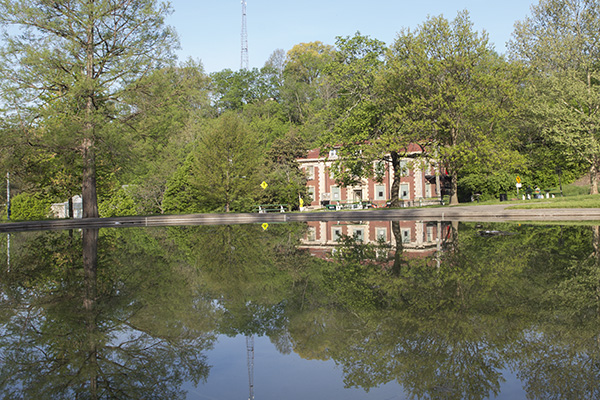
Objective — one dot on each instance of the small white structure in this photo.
(61, 210)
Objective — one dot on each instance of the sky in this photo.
(210, 30)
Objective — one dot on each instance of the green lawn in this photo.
(579, 201)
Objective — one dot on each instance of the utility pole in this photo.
(250, 361)
(8, 195)
(244, 63)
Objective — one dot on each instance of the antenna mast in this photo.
(244, 63)
(250, 360)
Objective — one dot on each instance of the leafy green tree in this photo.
(354, 115)
(446, 89)
(181, 195)
(226, 165)
(559, 43)
(287, 183)
(166, 104)
(232, 90)
(304, 90)
(69, 63)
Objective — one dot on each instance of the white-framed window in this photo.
(335, 193)
(404, 191)
(311, 193)
(404, 167)
(332, 153)
(428, 190)
(359, 234)
(430, 234)
(405, 232)
(311, 234)
(381, 234)
(380, 168)
(310, 172)
(336, 233)
(380, 192)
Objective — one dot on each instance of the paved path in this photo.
(492, 213)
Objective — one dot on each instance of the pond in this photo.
(319, 310)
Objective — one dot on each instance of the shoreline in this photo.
(485, 213)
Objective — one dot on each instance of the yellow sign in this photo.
(518, 179)
(265, 226)
(301, 202)
(264, 185)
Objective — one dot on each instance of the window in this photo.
(430, 234)
(359, 234)
(381, 234)
(311, 234)
(405, 235)
(404, 167)
(311, 193)
(336, 233)
(310, 172)
(404, 191)
(332, 153)
(335, 193)
(427, 190)
(380, 169)
(380, 192)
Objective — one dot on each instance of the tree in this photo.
(446, 89)
(303, 79)
(165, 104)
(226, 166)
(287, 183)
(232, 90)
(354, 115)
(67, 65)
(559, 43)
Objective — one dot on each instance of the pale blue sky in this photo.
(210, 30)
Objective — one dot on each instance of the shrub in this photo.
(30, 207)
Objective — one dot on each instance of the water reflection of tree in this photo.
(443, 326)
(449, 332)
(559, 356)
(73, 329)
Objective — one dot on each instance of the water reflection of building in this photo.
(418, 238)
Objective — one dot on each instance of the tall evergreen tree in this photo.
(65, 64)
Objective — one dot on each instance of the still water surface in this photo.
(324, 310)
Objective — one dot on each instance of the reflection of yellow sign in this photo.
(265, 226)
(518, 179)
(264, 185)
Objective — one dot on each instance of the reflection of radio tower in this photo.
(250, 359)
(244, 64)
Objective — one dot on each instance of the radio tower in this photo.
(244, 64)
(250, 360)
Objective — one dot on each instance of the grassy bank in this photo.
(578, 201)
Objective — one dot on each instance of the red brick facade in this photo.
(414, 187)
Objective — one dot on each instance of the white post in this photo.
(8, 195)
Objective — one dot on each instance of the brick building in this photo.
(417, 185)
